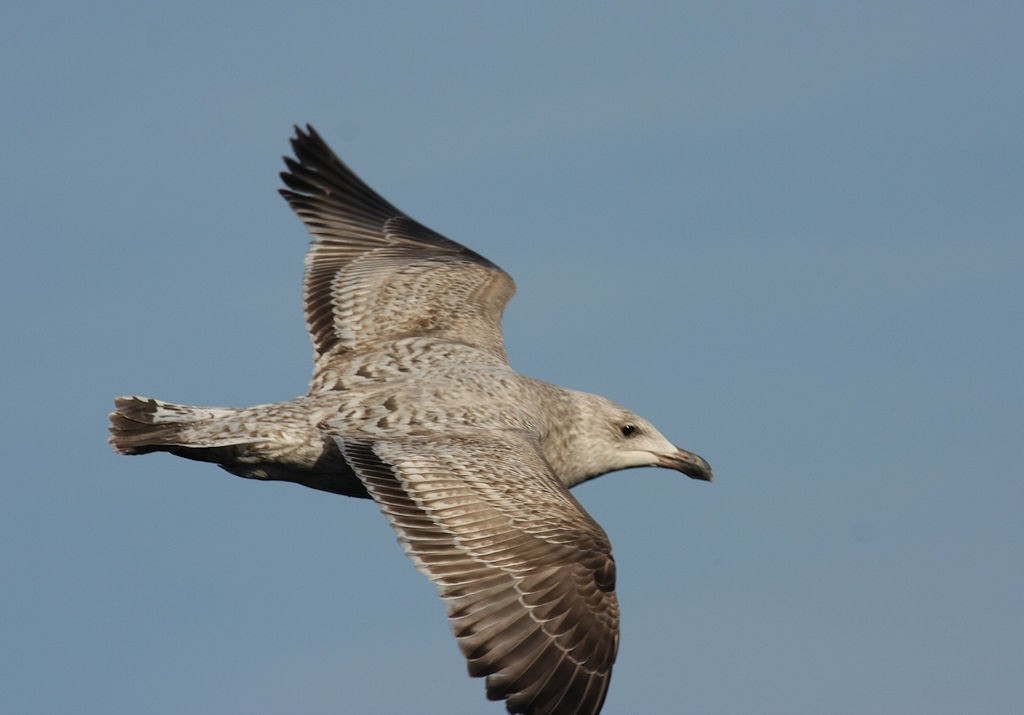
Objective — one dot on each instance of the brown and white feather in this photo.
(526, 574)
(375, 275)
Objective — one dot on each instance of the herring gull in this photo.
(414, 405)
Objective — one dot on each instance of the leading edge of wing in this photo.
(372, 273)
(526, 574)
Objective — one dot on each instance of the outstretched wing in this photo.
(373, 274)
(526, 574)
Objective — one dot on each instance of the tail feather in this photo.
(264, 442)
(141, 425)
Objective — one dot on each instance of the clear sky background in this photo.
(790, 234)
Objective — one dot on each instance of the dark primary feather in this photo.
(373, 274)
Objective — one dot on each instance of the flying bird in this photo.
(414, 405)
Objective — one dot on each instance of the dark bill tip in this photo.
(688, 463)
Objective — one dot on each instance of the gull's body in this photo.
(413, 403)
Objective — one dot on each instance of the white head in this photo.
(601, 437)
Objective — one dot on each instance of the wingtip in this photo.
(305, 137)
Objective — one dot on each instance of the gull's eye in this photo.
(629, 430)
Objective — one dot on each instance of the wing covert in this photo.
(526, 575)
(373, 274)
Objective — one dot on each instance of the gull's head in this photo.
(608, 437)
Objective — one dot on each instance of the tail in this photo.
(267, 442)
(141, 425)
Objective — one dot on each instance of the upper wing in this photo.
(374, 274)
(526, 575)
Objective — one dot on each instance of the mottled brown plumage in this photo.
(413, 404)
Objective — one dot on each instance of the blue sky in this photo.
(790, 234)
